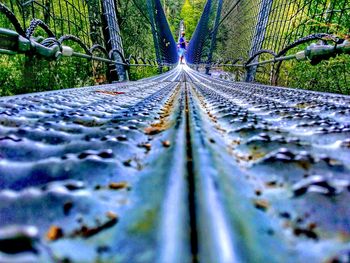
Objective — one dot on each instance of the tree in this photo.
(191, 13)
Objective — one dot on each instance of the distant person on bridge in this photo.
(182, 47)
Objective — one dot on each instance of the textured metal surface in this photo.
(175, 168)
(278, 181)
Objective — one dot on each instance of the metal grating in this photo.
(176, 168)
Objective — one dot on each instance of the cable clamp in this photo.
(67, 51)
(300, 55)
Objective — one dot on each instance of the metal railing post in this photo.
(114, 41)
(260, 30)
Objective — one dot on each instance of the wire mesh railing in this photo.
(52, 29)
(83, 29)
(85, 20)
(251, 32)
(275, 24)
(200, 40)
(164, 41)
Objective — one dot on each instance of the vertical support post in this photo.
(213, 37)
(115, 41)
(151, 10)
(258, 39)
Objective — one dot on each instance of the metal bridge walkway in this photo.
(176, 168)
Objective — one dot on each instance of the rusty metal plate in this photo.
(176, 168)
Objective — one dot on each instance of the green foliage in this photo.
(187, 13)
(142, 72)
(191, 13)
(10, 74)
(329, 76)
(172, 10)
(135, 28)
(20, 74)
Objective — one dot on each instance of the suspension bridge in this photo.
(181, 166)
